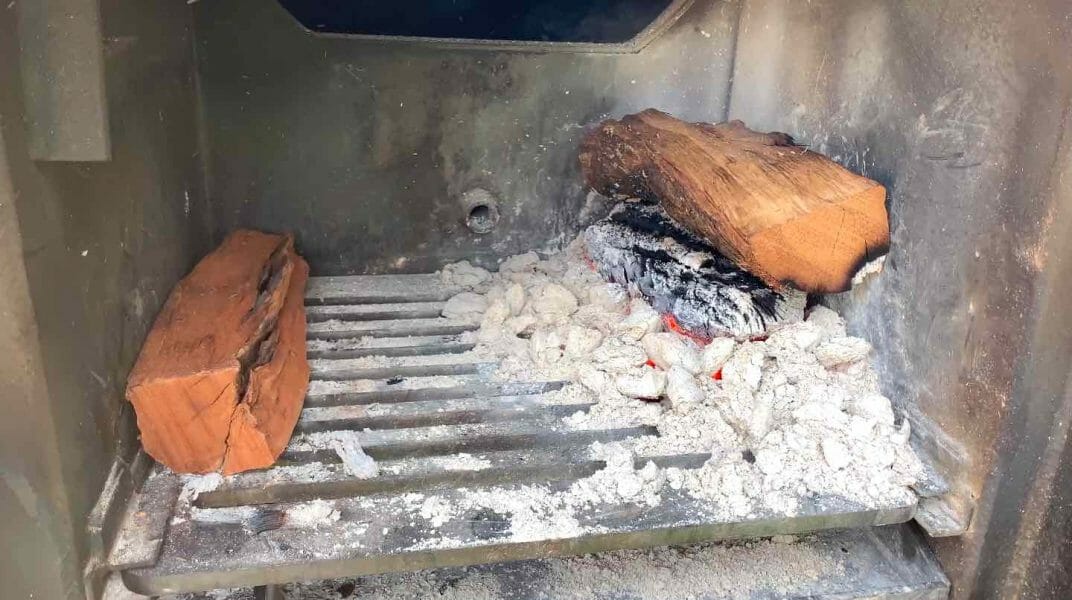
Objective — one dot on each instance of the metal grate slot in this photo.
(374, 312)
(429, 413)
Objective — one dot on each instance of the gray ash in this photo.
(640, 247)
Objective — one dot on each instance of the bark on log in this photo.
(221, 379)
(788, 215)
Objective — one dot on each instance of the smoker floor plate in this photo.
(431, 402)
(887, 563)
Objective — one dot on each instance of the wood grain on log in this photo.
(222, 376)
(788, 215)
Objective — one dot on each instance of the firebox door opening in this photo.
(591, 21)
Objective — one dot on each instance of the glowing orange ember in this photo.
(650, 363)
(717, 375)
(672, 325)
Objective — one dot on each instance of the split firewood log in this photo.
(788, 215)
(222, 376)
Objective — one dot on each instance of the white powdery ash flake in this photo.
(312, 514)
(314, 471)
(192, 485)
(347, 446)
(460, 462)
(436, 510)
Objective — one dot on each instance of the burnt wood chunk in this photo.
(221, 378)
(681, 276)
(786, 214)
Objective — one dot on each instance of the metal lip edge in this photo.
(145, 581)
(125, 479)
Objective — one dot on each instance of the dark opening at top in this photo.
(595, 21)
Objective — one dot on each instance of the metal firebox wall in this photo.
(96, 248)
(364, 147)
(962, 110)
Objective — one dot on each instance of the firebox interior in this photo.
(137, 135)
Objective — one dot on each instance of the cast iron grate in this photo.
(428, 402)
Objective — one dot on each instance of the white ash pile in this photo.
(797, 415)
(641, 248)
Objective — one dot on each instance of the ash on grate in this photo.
(681, 276)
(786, 423)
(792, 417)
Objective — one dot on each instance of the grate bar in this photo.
(377, 289)
(477, 437)
(337, 330)
(400, 346)
(435, 412)
(415, 389)
(399, 367)
(332, 373)
(393, 537)
(504, 467)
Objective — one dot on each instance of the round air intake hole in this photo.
(481, 210)
(479, 219)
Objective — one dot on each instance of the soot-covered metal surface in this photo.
(365, 147)
(961, 109)
(98, 247)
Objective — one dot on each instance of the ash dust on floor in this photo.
(768, 568)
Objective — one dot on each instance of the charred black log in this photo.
(707, 295)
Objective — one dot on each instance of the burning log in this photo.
(700, 291)
(788, 215)
(222, 376)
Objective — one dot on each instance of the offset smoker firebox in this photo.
(516, 451)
